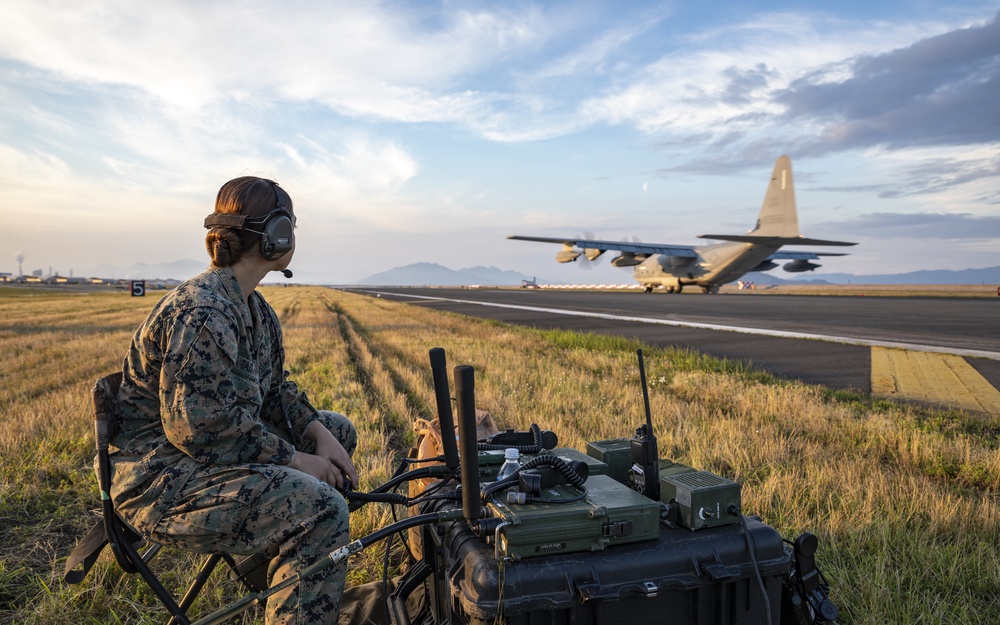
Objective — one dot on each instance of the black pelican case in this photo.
(705, 578)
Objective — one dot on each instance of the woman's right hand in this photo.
(318, 467)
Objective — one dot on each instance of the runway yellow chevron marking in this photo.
(940, 379)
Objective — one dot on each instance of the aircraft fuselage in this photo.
(673, 267)
(715, 265)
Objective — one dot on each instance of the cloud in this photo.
(521, 72)
(115, 110)
(971, 172)
(381, 60)
(810, 85)
(941, 90)
(919, 226)
(725, 81)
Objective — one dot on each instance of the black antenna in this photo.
(465, 391)
(645, 393)
(645, 473)
(442, 395)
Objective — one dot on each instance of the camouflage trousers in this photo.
(290, 517)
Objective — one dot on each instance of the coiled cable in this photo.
(572, 477)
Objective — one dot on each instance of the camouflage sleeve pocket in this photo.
(208, 361)
(224, 336)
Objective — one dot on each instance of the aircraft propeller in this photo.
(594, 256)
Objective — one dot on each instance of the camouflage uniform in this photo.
(208, 427)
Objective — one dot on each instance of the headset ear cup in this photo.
(277, 236)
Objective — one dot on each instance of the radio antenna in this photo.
(442, 395)
(465, 391)
(645, 472)
(645, 394)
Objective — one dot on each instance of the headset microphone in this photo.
(287, 273)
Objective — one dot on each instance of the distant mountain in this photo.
(177, 270)
(987, 275)
(434, 274)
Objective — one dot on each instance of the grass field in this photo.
(904, 500)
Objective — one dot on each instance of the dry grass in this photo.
(904, 500)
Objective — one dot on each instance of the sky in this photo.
(429, 131)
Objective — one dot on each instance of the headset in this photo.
(276, 228)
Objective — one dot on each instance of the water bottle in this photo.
(511, 463)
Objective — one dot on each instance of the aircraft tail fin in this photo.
(778, 222)
(778, 214)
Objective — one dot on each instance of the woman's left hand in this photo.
(327, 446)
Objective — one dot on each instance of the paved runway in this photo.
(820, 340)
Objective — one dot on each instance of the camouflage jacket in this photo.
(203, 385)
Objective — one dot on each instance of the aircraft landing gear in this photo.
(712, 290)
(648, 289)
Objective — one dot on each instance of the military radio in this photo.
(613, 535)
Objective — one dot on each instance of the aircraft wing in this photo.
(753, 238)
(682, 251)
(801, 255)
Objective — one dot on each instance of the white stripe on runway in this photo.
(973, 353)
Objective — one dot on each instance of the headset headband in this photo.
(225, 220)
(239, 222)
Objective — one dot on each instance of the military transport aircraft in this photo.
(710, 266)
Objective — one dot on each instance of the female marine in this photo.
(218, 451)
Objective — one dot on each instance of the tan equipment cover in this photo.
(429, 446)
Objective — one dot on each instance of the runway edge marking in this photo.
(972, 353)
(943, 379)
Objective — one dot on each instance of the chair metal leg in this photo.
(197, 584)
(154, 584)
(151, 551)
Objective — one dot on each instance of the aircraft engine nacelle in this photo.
(797, 266)
(767, 265)
(629, 259)
(567, 255)
(592, 253)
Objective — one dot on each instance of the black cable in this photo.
(393, 498)
(500, 485)
(572, 477)
(752, 546)
(433, 488)
(357, 499)
(428, 494)
(425, 498)
(385, 575)
(404, 524)
(438, 459)
(401, 468)
(406, 463)
(431, 471)
(536, 434)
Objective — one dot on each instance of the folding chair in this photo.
(123, 538)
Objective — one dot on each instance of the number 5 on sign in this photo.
(138, 288)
